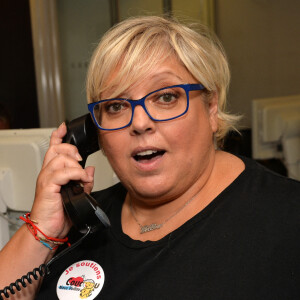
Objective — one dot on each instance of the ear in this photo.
(213, 111)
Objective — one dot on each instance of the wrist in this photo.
(52, 222)
(51, 243)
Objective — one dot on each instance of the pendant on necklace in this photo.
(151, 227)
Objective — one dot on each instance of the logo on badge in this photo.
(82, 280)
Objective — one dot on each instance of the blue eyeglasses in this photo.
(164, 104)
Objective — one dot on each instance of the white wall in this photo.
(262, 40)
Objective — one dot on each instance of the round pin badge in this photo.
(82, 280)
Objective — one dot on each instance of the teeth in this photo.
(147, 152)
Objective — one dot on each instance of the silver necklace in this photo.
(155, 226)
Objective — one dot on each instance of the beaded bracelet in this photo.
(45, 240)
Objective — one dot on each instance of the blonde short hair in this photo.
(137, 44)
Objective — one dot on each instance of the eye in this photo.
(115, 106)
(167, 97)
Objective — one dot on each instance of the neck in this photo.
(158, 220)
(204, 191)
(155, 226)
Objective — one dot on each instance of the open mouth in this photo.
(148, 155)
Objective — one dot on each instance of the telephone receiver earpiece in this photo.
(82, 209)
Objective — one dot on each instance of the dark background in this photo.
(18, 96)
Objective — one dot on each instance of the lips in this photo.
(147, 154)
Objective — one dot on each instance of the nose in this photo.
(141, 122)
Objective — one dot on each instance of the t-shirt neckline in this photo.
(127, 241)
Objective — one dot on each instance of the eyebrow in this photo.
(161, 74)
(154, 75)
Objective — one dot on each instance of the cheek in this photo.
(191, 137)
(111, 141)
(113, 146)
(200, 127)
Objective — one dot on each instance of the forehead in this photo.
(170, 71)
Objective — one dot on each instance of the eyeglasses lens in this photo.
(162, 105)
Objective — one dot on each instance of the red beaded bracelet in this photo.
(31, 225)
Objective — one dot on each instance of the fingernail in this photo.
(78, 156)
(61, 125)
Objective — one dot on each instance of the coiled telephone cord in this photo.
(41, 271)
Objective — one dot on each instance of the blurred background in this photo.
(46, 46)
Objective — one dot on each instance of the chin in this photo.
(151, 188)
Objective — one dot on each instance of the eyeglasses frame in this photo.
(187, 87)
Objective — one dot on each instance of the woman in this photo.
(188, 221)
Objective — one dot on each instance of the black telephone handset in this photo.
(81, 208)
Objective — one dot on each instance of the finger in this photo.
(58, 134)
(52, 182)
(65, 175)
(65, 149)
(90, 170)
(88, 186)
(61, 161)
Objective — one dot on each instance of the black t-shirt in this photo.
(243, 245)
